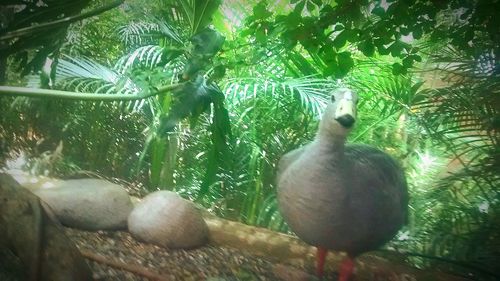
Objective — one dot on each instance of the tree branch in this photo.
(64, 21)
(38, 93)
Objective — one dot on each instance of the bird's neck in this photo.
(331, 140)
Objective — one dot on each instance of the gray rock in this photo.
(166, 219)
(89, 204)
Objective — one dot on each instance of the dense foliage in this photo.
(252, 86)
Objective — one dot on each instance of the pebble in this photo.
(209, 262)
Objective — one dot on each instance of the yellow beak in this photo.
(345, 108)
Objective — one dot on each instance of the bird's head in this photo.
(340, 113)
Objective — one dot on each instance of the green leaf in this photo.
(199, 13)
(260, 35)
(331, 68)
(351, 35)
(397, 69)
(367, 48)
(379, 11)
(382, 50)
(292, 20)
(319, 3)
(170, 53)
(299, 7)
(417, 32)
(341, 38)
(417, 58)
(408, 62)
(288, 43)
(260, 11)
(396, 48)
(404, 30)
(417, 86)
(327, 54)
(218, 72)
(245, 32)
(302, 64)
(345, 63)
(310, 6)
(338, 27)
(207, 42)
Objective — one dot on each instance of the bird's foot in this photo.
(346, 269)
(320, 261)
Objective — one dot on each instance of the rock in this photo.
(166, 219)
(89, 204)
(32, 245)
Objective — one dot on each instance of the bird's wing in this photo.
(381, 166)
(288, 159)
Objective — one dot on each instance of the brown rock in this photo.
(165, 219)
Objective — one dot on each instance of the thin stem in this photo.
(368, 129)
(49, 93)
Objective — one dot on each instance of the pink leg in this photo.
(320, 261)
(346, 269)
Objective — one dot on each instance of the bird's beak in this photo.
(346, 111)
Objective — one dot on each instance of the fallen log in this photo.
(289, 249)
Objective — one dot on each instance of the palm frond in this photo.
(133, 33)
(138, 33)
(312, 92)
(147, 56)
(456, 216)
(381, 90)
(69, 67)
(86, 75)
(270, 216)
(168, 30)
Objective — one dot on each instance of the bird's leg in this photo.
(320, 261)
(346, 269)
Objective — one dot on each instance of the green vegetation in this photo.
(207, 96)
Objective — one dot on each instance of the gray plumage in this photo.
(350, 198)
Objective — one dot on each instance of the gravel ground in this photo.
(211, 263)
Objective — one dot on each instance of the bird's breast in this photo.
(313, 200)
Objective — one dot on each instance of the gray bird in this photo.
(342, 197)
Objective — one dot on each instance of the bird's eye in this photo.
(332, 98)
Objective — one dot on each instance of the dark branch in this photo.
(54, 24)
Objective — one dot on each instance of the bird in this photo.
(343, 197)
